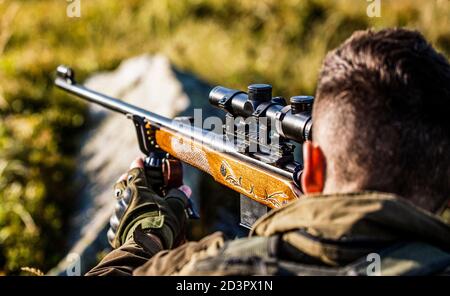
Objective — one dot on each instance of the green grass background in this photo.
(227, 42)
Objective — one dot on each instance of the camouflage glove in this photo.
(138, 207)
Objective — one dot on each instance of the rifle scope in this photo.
(291, 121)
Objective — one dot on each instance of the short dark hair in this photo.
(382, 110)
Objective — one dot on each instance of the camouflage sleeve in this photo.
(125, 259)
(182, 260)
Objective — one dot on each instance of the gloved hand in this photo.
(139, 207)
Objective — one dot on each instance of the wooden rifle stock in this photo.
(263, 186)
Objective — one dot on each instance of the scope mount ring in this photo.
(266, 105)
(279, 119)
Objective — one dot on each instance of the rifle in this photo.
(254, 155)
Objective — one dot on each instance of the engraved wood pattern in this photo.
(261, 185)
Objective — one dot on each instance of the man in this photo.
(375, 175)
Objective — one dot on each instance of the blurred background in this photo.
(50, 142)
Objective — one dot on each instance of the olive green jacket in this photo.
(318, 235)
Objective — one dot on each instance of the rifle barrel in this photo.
(66, 80)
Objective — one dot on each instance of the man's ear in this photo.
(313, 176)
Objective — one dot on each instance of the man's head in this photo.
(381, 119)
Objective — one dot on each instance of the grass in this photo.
(227, 42)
